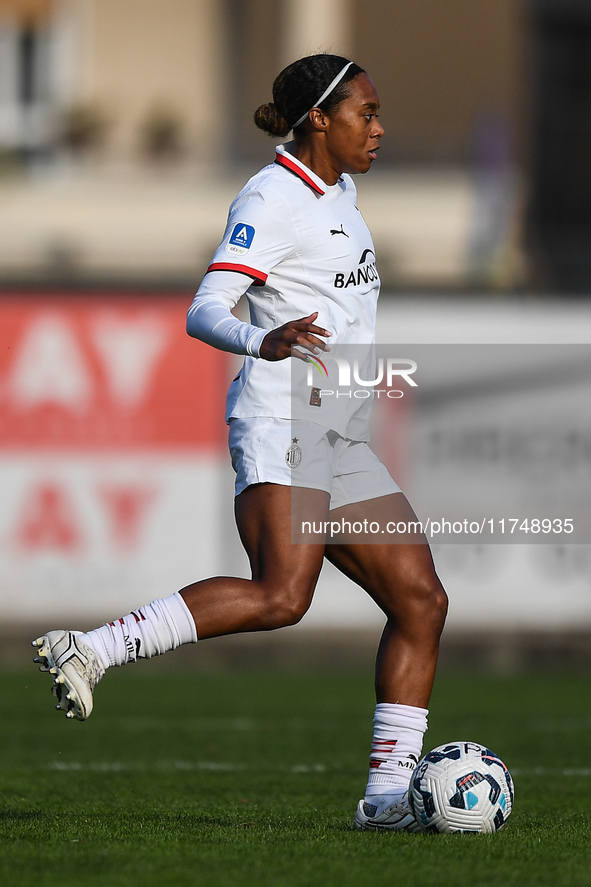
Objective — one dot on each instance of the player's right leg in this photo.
(402, 580)
(283, 580)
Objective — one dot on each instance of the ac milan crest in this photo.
(293, 456)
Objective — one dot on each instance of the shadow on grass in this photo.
(15, 815)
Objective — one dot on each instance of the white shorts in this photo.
(290, 453)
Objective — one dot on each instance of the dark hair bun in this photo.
(296, 89)
(268, 118)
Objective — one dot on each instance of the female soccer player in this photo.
(294, 236)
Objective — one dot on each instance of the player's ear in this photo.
(318, 119)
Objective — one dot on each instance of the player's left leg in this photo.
(278, 594)
(78, 660)
(401, 578)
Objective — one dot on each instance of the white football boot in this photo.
(397, 817)
(76, 670)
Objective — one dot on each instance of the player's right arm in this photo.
(210, 316)
(210, 319)
(258, 236)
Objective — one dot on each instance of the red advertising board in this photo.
(108, 373)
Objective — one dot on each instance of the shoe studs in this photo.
(41, 659)
(64, 684)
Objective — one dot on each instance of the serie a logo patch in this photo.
(240, 239)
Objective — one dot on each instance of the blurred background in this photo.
(125, 131)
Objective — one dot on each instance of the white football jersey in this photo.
(306, 248)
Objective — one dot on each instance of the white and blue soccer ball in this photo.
(461, 787)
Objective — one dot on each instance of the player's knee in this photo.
(286, 606)
(430, 604)
(438, 605)
(424, 605)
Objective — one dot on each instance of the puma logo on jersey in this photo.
(339, 231)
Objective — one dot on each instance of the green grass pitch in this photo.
(232, 780)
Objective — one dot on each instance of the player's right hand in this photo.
(278, 344)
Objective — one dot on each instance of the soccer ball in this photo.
(461, 787)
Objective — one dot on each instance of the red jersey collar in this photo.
(284, 158)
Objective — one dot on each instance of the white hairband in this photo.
(326, 93)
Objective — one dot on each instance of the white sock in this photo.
(396, 748)
(163, 625)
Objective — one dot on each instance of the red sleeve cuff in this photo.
(258, 276)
